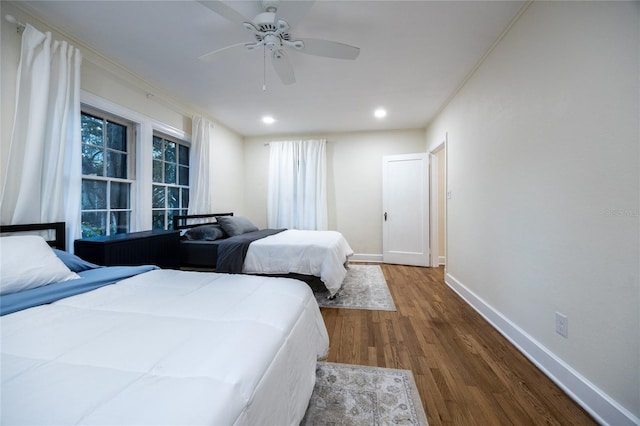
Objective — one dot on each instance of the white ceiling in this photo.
(414, 54)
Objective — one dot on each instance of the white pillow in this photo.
(27, 261)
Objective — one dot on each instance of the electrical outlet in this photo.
(562, 325)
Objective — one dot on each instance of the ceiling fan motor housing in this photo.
(270, 5)
(266, 27)
(266, 22)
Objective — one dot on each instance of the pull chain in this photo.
(264, 68)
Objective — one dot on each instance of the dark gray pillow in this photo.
(209, 232)
(236, 225)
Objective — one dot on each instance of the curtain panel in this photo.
(201, 161)
(44, 167)
(297, 196)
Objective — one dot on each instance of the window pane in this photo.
(92, 161)
(173, 197)
(183, 176)
(116, 165)
(119, 222)
(94, 224)
(185, 198)
(157, 148)
(158, 219)
(116, 136)
(169, 173)
(92, 130)
(119, 195)
(170, 152)
(94, 194)
(170, 215)
(183, 157)
(157, 171)
(158, 201)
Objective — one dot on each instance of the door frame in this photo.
(434, 217)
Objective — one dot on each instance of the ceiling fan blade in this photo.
(329, 49)
(283, 67)
(224, 52)
(225, 11)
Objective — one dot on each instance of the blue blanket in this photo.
(91, 279)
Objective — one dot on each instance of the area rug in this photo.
(356, 395)
(363, 288)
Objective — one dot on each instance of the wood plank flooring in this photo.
(466, 372)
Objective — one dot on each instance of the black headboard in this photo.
(60, 240)
(182, 222)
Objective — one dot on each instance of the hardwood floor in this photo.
(466, 372)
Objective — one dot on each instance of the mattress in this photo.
(165, 347)
(318, 253)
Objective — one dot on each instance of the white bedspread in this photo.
(165, 347)
(318, 253)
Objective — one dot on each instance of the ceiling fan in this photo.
(271, 33)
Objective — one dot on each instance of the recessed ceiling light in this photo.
(380, 113)
(267, 119)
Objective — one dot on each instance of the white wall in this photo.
(543, 157)
(228, 172)
(113, 84)
(354, 181)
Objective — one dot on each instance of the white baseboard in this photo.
(360, 257)
(441, 260)
(601, 406)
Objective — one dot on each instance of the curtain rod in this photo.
(12, 19)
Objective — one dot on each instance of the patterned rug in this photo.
(356, 395)
(363, 288)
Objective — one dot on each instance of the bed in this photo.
(152, 346)
(232, 244)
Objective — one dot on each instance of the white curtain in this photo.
(297, 196)
(200, 173)
(44, 167)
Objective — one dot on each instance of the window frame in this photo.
(145, 126)
(182, 209)
(130, 152)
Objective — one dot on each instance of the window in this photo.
(106, 174)
(170, 180)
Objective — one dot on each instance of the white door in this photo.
(405, 204)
